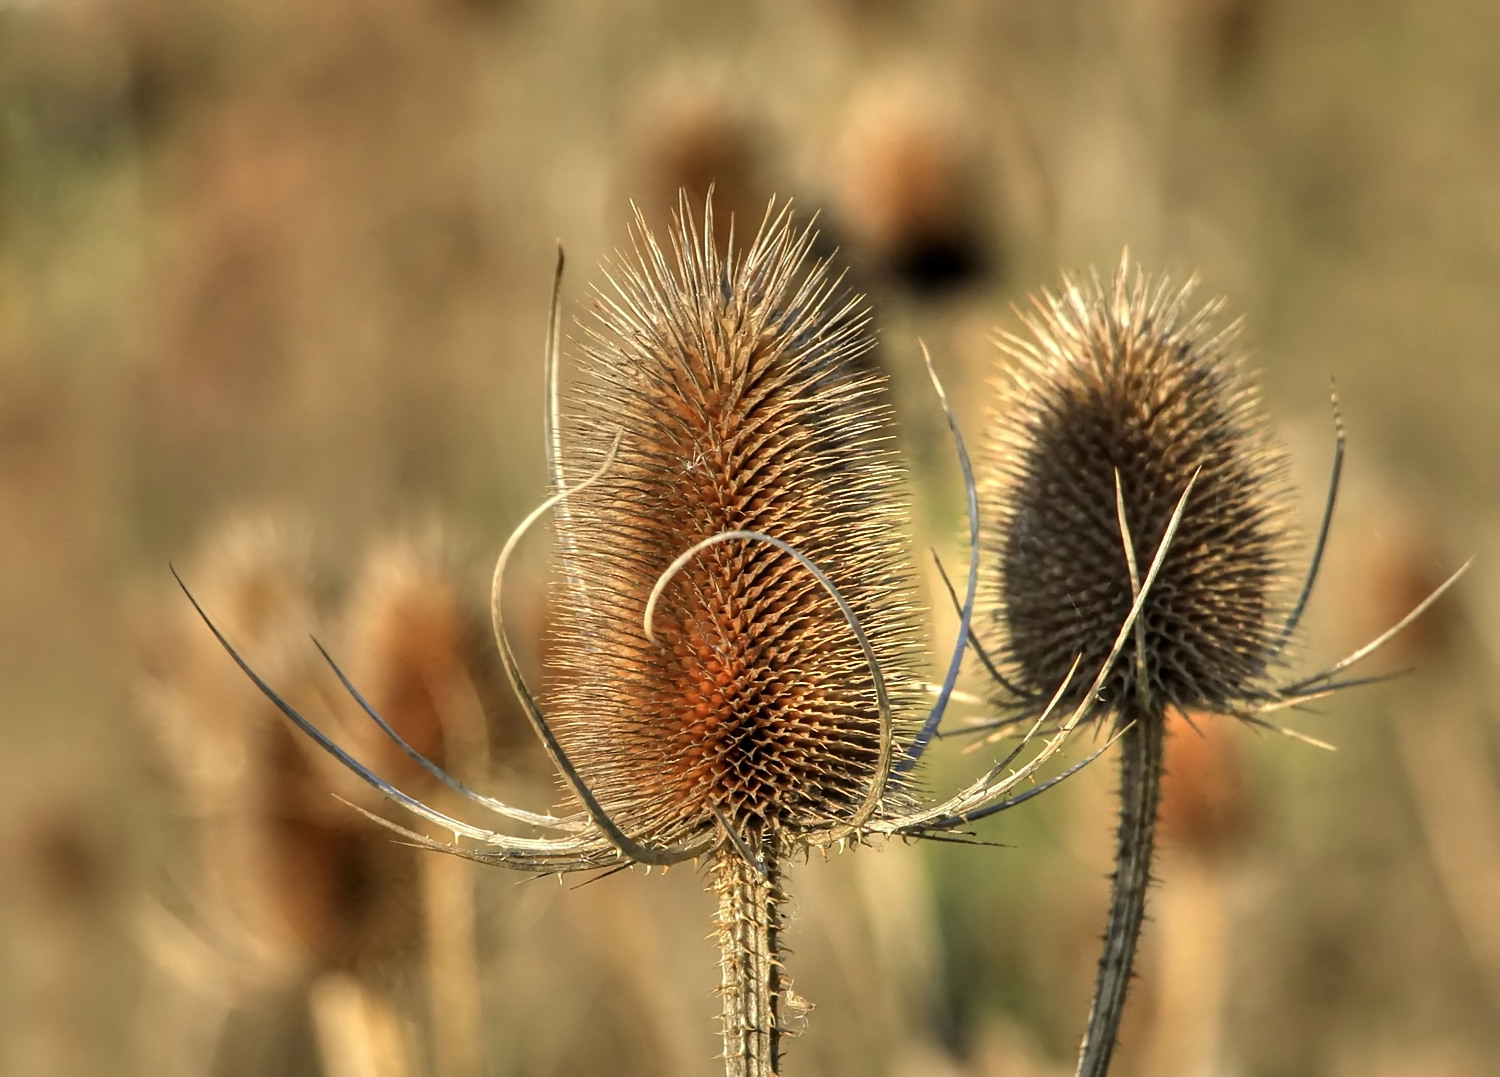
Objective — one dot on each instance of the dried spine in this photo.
(1120, 401)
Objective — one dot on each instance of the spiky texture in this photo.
(1120, 385)
(731, 385)
(1123, 380)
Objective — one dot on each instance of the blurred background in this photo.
(273, 288)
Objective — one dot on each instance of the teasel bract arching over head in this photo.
(737, 642)
(1122, 402)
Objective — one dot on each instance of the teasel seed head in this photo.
(1123, 384)
(1122, 410)
(731, 383)
(1122, 407)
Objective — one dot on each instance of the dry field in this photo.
(273, 290)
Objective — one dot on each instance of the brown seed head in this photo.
(1122, 380)
(732, 384)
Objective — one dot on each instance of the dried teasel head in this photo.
(1122, 406)
(278, 876)
(418, 643)
(1119, 399)
(1125, 411)
(731, 384)
(282, 866)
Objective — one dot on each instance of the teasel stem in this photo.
(749, 930)
(1141, 752)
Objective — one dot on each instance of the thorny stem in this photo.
(749, 930)
(1140, 792)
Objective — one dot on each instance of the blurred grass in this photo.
(291, 259)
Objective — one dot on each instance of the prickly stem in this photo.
(749, 930)
(1141, 748)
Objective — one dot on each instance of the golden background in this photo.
(273, 287)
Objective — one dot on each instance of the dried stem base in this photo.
(1140, 793)
(749, 931)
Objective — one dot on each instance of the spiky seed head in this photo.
(733, 385)
(1124, 379)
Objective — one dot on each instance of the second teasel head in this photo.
(1120, 397)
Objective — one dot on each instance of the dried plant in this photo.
(286, 894)
(1122, 405)
(735, 662)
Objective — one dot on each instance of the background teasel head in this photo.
(293, 902)
(1124, 385)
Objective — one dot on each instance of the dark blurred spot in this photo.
(1231, 33)
(909, 196)
(702, 148)
(934, 263)
(69, 863)
(164, 76)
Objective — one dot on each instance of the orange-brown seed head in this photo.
(732, 384)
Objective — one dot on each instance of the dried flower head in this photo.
(418, 643)
(738, 406)
(283, 884)
(1123, 408)
(736, 651)
(1120, 399)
